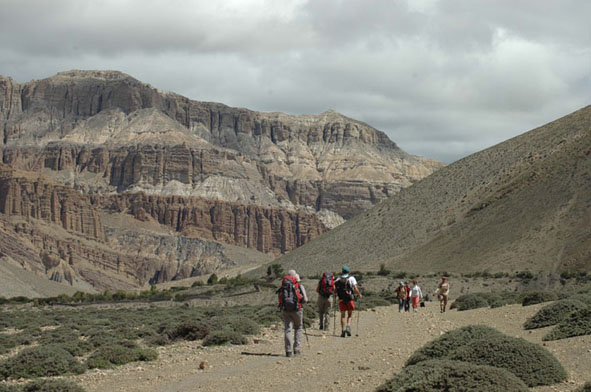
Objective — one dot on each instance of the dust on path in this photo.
(386, 339)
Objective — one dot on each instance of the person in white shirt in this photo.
(415, 295)
(345, 286)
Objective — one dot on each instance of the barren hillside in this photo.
(524, 204)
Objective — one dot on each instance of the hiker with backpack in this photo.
(401, 294)
(345, 286)
(325, 290)
(407, 299)
(292, 296)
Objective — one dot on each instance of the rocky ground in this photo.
(385, 340)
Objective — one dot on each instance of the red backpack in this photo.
(290, 296)
(326, 285)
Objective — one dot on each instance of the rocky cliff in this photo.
(103, 144)
(35, 197)
(140, 138)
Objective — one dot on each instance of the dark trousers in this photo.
(407, 305)
(401, 304)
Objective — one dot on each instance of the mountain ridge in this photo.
(498, 210)
(203, 174)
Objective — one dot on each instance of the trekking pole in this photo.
(305, 332)
(357, 329)
(334, 318)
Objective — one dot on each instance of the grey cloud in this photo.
(443, 79)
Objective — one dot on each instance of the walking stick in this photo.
(357, 329)
(334, 320)
(305, 332)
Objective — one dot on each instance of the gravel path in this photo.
(358, 363)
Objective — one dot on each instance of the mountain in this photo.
(524, 204)
(112, 183)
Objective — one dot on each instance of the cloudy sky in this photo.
(443, 78)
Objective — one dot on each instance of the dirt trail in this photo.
(386, 339)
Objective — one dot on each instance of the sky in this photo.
(442, 78)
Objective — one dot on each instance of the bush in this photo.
(10, 388)
(41, 361)
(109, 356)
(538, 297)
(446, 343)
(224, 336)
(469, 301)
(383, 271)
(189, 331)
(8, 342)
(525, 275)
(585, 388)
(530, 362)
(452, 376)
(553, 314)
(52, 386)
(267, 315)
(577, 323)
(582, 297)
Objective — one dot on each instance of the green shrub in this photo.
(577, 323)
(469, 301)
(452, 376)
(8, 342)
(582, 297)
(310, 315)
(189, 331)
(10, 388)
(585, 388)
(110, 356)
(530, 362)
(525, 275)
(243, 325)
(224, 336)
(553, 313)
(444, 345)
(383, 271)
(538, 297)
(267, 315)
(41, 361)
(52, 386)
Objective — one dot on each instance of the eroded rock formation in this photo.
(103, 143)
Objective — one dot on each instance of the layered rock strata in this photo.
(196, 175)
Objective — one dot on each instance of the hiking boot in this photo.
(343, 334)
(322, 327)
(348, 330)
(288, 354)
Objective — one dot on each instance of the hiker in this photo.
(407, 299)
(325, 290)
(443, 293)
(292, 296)
(345, 286)
(415, 295)
(401, 294)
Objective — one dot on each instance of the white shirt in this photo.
(351, 280)
(416, 291)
